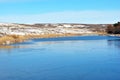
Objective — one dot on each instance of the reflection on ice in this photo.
(115, 43)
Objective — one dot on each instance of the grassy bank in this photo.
(10, 39)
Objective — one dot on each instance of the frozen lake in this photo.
(71, 58)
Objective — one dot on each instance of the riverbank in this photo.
(11, 39)
(11, 33)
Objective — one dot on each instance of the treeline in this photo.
(113, 29)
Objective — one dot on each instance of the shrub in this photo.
(113, 29)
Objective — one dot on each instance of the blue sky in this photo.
(60, 11)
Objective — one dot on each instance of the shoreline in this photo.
(11, 33)
(12, 39)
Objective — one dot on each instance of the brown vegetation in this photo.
(113, 29)
(10, 39)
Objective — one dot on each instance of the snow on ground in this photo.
(11, 29)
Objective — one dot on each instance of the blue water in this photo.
(71, 58)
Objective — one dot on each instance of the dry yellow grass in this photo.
(10, 39)
(101, 33)
(6, 39)
(18, 38)
(49, 35)
(5, 47)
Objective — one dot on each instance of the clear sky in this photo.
(60, 11)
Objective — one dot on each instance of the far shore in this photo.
(11, 33)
